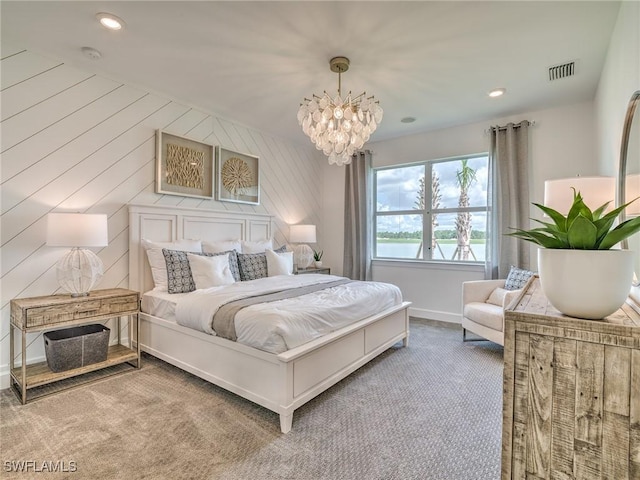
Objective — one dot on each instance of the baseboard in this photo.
(435, 315)
(4, 377)
(4, 371)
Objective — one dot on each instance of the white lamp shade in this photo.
(77, 230)
(595, 192)
(632, 191)
(302, 234)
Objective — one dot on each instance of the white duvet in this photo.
(285, 324)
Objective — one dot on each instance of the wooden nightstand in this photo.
(53, 312)
(324, 270)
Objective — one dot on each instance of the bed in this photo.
(280, 382)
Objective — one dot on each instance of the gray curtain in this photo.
(357, 218)
(509, 198)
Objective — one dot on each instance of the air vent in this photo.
(562, 71)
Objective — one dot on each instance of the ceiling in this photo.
(254, 62)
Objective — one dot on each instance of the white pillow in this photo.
(257, 247)
(210, 272)
(497, 296)
(219, 247)
(502, 297)
(157, 261)
(279, 263)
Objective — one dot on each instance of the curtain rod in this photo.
(532, 123)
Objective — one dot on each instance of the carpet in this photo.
(429, 411)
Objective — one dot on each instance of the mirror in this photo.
(629, 179)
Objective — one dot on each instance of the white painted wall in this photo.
(620, 78)
(75, 141)
(569, 140)
(561, 144)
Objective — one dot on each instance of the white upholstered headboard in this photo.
(163, 223)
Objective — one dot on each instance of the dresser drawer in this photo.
(63, 313)
(52, 314)
(117, 305)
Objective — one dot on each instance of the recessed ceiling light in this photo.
(497, 92)
(408, 119)
(107, 20)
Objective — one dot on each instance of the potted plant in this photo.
(317, 256)
(581, 275)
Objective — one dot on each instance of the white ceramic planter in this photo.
(586, 283)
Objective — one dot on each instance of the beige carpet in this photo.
(429, 411)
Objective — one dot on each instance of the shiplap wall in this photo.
(75, 141)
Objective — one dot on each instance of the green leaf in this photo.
(578, 208)
(538, 237)
(581, 228)
(599, 211)
(603, 225)
(553, 231)
(622, 231)
(559, 219)
(582, 233)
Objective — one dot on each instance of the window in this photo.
(443, 219)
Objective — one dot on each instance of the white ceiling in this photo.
(253, 62)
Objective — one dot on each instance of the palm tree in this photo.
(464, 178)
(419, 204)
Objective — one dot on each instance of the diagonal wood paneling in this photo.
(75, 141)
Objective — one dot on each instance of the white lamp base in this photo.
(303, 256)
(79, 271)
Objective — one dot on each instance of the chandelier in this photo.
(339, 126)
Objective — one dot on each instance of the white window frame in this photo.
(426, 213)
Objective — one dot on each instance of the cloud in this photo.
(397, 189)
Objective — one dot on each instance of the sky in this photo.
(397, 189)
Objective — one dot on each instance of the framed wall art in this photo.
(238, 177)
(183, 166)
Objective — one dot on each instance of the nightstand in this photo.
(324, 270)
(53, 312)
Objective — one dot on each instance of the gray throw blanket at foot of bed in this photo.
(223, 319)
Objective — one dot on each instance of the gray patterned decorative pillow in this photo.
(517, 278)
(252, 265)
(178, 271)
(233, 262)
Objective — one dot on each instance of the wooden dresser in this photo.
(571, 393)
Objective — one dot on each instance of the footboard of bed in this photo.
(280, 382)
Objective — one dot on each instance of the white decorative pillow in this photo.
(497, 297)
(502, 297)
(219, 247)
(257, 247)
(157, 261)
(279, 263)
(210, 272)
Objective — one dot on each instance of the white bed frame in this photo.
(281, 382)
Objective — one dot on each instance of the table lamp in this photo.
(595, 192)
(80, 269)
(302, 234)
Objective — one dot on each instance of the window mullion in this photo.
(427, 223)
